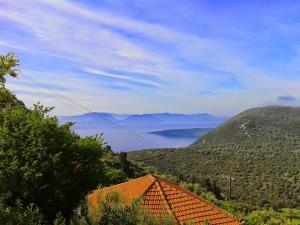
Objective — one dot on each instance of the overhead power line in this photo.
(154, 157)
(86, 109)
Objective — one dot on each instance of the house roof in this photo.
(163, 198)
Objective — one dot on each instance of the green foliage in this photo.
(44, 163)
(113, 211)
(260, 149)
(118, 168)
(265, 217)
(60, 220)
(293, 215)
(20, 215)
(262, 124)
(8, 64)
(7, 99)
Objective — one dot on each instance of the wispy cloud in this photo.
(246, 61)
(287, 98)
(123, 78)
(12, 45)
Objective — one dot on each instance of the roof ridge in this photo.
(132, 180)
(193, 195)
(150, 186)
(166, 200)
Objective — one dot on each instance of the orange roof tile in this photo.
(128, 190)
(163, 198)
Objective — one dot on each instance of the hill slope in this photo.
(258, 124)
(259, 149)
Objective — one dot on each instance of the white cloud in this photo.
(94, 38)
(77, 32)
(12, 45)
(122, 77)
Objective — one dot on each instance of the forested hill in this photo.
(259, 149)
(272, 123)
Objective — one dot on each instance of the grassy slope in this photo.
(259, 148)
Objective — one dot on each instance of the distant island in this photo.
(168, 129)
(180, 133)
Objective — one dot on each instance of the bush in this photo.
(113, 211)
(20, 215)
(265, 217)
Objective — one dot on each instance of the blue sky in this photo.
(129, 56)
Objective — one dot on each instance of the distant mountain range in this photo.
(118, 129)
(155, 120)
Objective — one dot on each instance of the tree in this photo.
(216, 190)
(44, 163)
(8, 64)
(126, 165)
(8, 99)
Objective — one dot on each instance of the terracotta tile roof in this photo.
(128, 190)
(162, 198)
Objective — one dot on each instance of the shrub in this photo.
(265, 217)
(113, 211)
(20, 215)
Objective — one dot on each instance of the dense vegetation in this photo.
(293, 215)
(45, 164)
(8, 67)
(258, 150)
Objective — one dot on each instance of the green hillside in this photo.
(259, 149)
(272, 123)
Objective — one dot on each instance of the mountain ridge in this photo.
(251, 124)
(147, 118)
